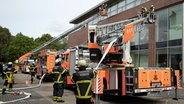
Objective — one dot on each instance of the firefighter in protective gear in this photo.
(83, 80)
(32, 70)
(144, 12)
(152, 9)
(59, 74)
(9, 75)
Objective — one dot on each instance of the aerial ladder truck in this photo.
(70, 58)
(109, 47)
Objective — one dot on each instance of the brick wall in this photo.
(77, 38)
(152, 46)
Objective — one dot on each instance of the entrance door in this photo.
(175, 61)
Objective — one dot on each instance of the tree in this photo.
(44, 38)
(20, 45)
(4, 43)
(47, 37)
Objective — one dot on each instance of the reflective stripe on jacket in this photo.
(83, 83)
(84, 89)
(58, 73)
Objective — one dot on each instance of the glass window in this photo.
(109, 12)
(175, 57)
(161, 58)
(141, 35)
(144, 34)
(135, 40)
(143, 1)
(135, 58)
(138, 2)
(129, 1)
(140, 58)
(171, 27)
(121, 6)
(143, 58)
(114, 10)
(175, 22)
(130, 5)
(162, 24)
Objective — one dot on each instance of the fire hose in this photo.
(28, 95)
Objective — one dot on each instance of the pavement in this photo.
(43, 95)
(21, 80)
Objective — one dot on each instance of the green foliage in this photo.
(4, 42)
(12, 47)
(46, 37)
(20, 45)
(58, 45)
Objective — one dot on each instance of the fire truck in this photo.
(24, 62)
(70, 59)
(109, 47)
(46, 62)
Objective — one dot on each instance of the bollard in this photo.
(176, 88)
(27, 82)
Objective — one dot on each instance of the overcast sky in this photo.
(36, 17)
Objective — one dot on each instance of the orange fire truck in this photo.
(46, 62)
(109, 47)
(70, 58)
(24, 62)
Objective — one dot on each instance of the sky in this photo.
(34, 18)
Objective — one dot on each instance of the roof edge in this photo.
(88, 11)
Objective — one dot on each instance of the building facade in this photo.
(157, 45)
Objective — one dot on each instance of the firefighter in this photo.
(59, 74)
(32, 70)
(152, 9)
(9, 75)
(144, 12)
(83, 80)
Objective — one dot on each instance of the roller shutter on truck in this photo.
(72, 61)
(50, 63)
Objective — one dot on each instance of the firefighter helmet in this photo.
(10, 63)
(33, 63)
(58, 60)
(82, 63)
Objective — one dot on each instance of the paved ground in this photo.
(43, 95)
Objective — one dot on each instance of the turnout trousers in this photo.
(5, 86)
(32, 77)
(58, 91)
(83, 101)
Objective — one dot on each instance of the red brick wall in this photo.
(77, 38)
(152, 46)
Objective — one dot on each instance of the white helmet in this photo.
(16, 61)
(10, 63)
(58, 60)
(82, 63)
(33, 63)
